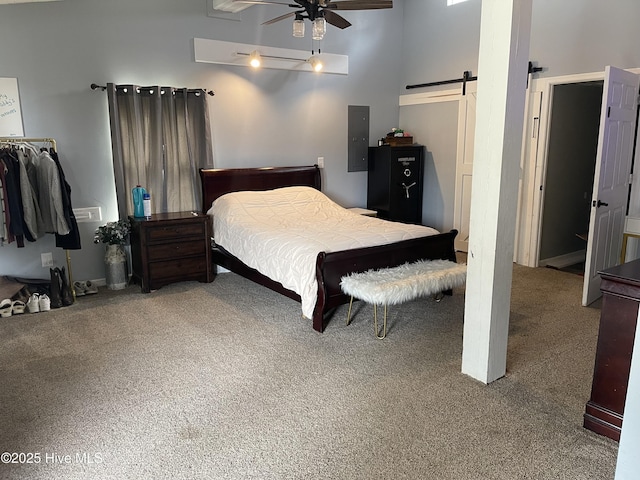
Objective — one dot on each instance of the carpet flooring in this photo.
(227, 381)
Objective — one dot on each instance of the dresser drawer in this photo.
(171, 232)
(174, 250)
(183, 268)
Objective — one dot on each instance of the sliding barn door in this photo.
(464, 166)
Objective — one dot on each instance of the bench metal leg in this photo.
(349, 312)
(375, 322)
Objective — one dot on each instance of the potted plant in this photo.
(114, 235)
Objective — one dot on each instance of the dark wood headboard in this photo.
(218, 181)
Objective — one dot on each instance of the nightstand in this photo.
(169, 248)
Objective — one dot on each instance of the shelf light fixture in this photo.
(255, 59)
(316, 63)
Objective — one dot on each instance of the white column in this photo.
(502, 75)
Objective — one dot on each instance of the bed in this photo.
(329, 266)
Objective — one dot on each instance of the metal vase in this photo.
(115, 262)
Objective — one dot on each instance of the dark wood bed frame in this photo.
(330, 267)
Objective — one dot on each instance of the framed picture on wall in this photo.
(10, 113)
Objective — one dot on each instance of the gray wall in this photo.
(440, 43)
(267, 117)
(567, 37)
(435, 126)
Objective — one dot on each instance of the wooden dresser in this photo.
(170, 247)
(621, 297)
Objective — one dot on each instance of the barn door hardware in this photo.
(466, 77)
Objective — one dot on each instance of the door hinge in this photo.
(608, 112)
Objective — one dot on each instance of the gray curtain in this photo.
(160, 138)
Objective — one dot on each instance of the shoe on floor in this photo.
(33, 305)
(80, 288)
(6, 308)
(90, 287)
(18, 306)
(84, 288)
(44, 303)
(23, 294)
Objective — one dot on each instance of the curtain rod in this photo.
(95, 86)
(466, 77)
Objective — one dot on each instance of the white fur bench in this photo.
(392, 286)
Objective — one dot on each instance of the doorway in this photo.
(568, 186)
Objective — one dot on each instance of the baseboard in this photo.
(565, 260)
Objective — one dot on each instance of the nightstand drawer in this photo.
(183, 268)
(171, 232)
(170, 251)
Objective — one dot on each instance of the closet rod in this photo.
(30, 139)
(95, 86)
(55, 147)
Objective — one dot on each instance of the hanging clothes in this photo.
(37, 195)
(70, 241)
(30, 206)
(45, 181)
(17, 225)
(5, 218)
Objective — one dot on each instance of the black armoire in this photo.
(394, 182)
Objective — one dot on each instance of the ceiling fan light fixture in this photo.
(316, 63)
(254, 59)
(298, 27)
(319, 28)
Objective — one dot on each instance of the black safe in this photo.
(394, 182)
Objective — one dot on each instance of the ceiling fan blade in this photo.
(335, 19)
(277, 19)
(358, 4)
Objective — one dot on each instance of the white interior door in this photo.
(611, 181)
(464, 166)
(530, 198)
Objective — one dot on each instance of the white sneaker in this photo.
(33, 304)
(45, 303)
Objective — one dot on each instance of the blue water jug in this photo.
(138, 197)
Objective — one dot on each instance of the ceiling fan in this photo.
(321, 10)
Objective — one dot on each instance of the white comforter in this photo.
(280, 233)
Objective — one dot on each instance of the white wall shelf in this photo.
(231, 53)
